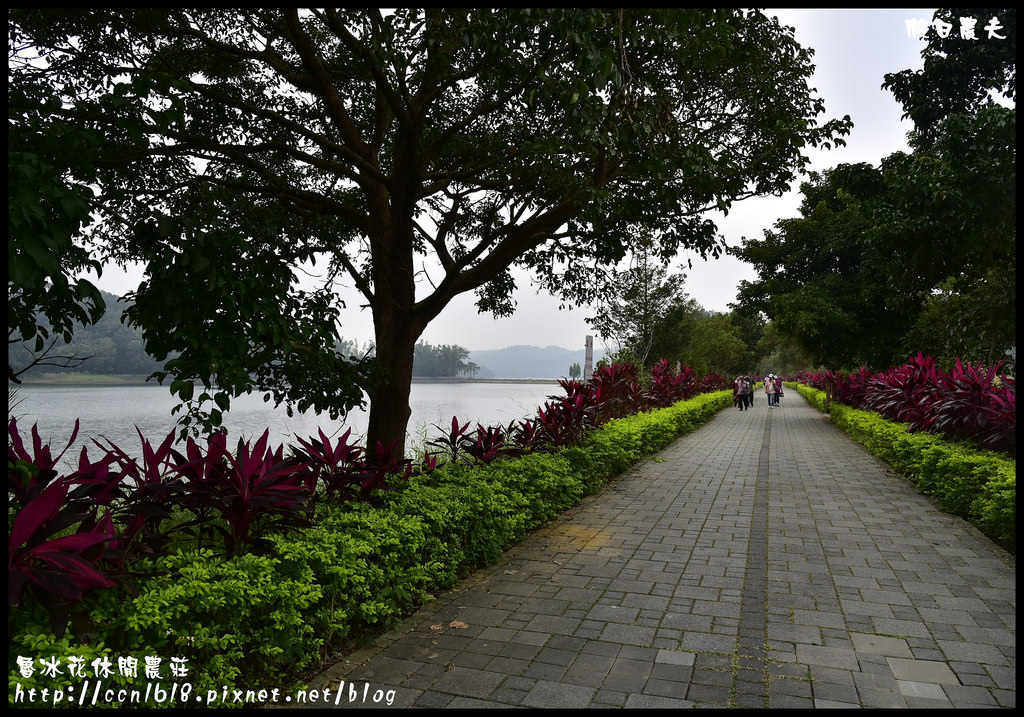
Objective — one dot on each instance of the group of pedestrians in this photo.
(743, 391)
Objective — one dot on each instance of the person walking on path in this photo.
(744, 390)
(769, 390)
(778, 390)
(737, 392)
(748, 395)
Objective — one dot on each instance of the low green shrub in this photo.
(233, 619)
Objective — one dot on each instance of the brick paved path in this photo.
(765, 560)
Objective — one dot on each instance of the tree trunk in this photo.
(396, 328)
(389, 403)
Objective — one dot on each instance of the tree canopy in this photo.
(413, 154)
(961, 73)
(646, 316)
(48, 169)
(632, 316)
(918, 253)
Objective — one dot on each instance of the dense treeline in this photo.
(445, 361)
(649, 315)
(107, 346)
(111, 347)
(916, 254)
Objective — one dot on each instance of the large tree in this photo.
(820, 280)
(884, 261)
(419, 154)
(918, 253)
(48, 171)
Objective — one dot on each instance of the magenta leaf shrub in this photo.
(335, 467)
(57, 568)
(905, 393)
(30, 473)
(970, 403)
(563, 421)
(616, 391)
(524, 435)
(149, 493)
(253, 492)
(452, 445)
(382, 462)
(488, 444)
(260, 491)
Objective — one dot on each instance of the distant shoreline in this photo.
(81, 379)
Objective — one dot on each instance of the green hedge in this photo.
(977, 485)
(263, 621)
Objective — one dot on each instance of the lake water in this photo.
(113, 412)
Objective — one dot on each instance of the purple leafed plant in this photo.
(30, 473)
(262, 491)
(969, 405)
(524, 435)
(905, 393)
(255, 491)
(452, 445)
(488, 444)
(149, 493)
(382, 462)
(55, 567)
(337, 467)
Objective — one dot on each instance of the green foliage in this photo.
(977, 485)
(631, 313)
(916, 254)
(112, 346)
(236, 621)
(45, 218)
(447, 360)
(716, 346)
(370, 565)
(39, 645)
(959, 74)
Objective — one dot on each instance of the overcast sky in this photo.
(854, 49)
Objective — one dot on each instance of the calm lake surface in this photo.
(113, 412)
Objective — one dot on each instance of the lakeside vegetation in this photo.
(255, 573)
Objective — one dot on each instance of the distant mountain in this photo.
(530, 361)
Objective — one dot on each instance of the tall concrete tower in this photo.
(588, 364)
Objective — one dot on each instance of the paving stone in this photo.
(557, 695)
(968, 696)
(922, 671)
(473, 683)
(675, 657)
(827, 656)
(921, 689)
(881, 645)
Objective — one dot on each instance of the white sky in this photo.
(854, 49)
